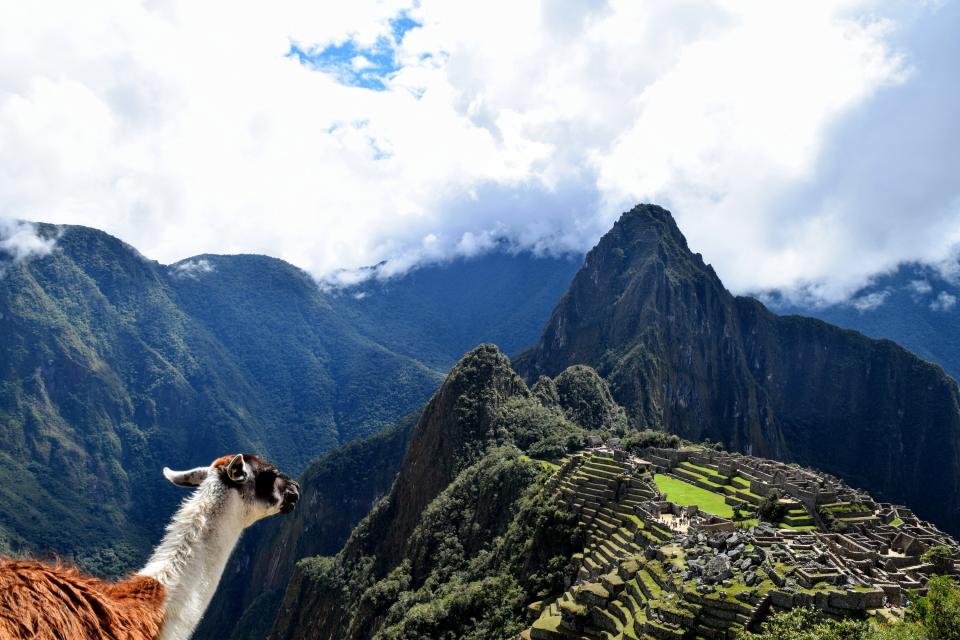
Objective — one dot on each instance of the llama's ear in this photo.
(237, 470)
(190, 478)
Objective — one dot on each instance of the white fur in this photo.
(193, 554)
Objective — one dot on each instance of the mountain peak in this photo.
(682, 354)
(649, 212)
(638, 277)
(649, 222)
(646, 240)
(452, 432)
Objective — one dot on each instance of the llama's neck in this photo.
(193, 554)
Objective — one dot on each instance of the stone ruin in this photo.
(652, 568)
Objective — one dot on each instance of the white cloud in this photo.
(949, 267)
(870, 301)
(944, 302)
(20, 241)
(193, 268)
(920, 287)
(185, 128)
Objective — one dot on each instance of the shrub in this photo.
(940, 556)
(586, 400)
(770, 508)
(808, 624)
(538, 430)
(939, 610)
(639, 440)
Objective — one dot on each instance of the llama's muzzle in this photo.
(291, 494)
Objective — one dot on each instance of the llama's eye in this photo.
(265, 486)
(265, 479)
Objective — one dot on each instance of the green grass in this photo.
(547, 622)
(546, 464)
(686, 494)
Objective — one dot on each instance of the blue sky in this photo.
(356, 65)
(805, 147)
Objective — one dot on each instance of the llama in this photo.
(166, 599)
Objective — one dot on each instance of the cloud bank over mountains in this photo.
(803, 148)
(21, 241)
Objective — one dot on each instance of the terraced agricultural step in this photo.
(606, 473)
(662, 630)
(600, 493)
(684, 474)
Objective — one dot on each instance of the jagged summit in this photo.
(653, 219)
(681, 353)
(452, 432)
(648, 231)
(640, 276)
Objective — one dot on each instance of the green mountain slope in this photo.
(439, 312)
(452, 550)
(682, 354)
(112, 366)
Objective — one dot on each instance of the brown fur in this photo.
(46, 602)
(223, 461)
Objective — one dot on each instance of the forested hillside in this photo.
(436, 313)
(520, 513)
(113, 365)
(468, 534)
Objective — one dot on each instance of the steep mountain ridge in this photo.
(443, 532)
(683, 354)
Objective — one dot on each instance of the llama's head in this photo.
(260, 487)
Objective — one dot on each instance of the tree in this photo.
(941, 557)
(897, 631)
(770, 508)
(637, 441)
(808, 624)
(939, 610)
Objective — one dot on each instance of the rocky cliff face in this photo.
(455, 429)
(681, 353)
(915, 306)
